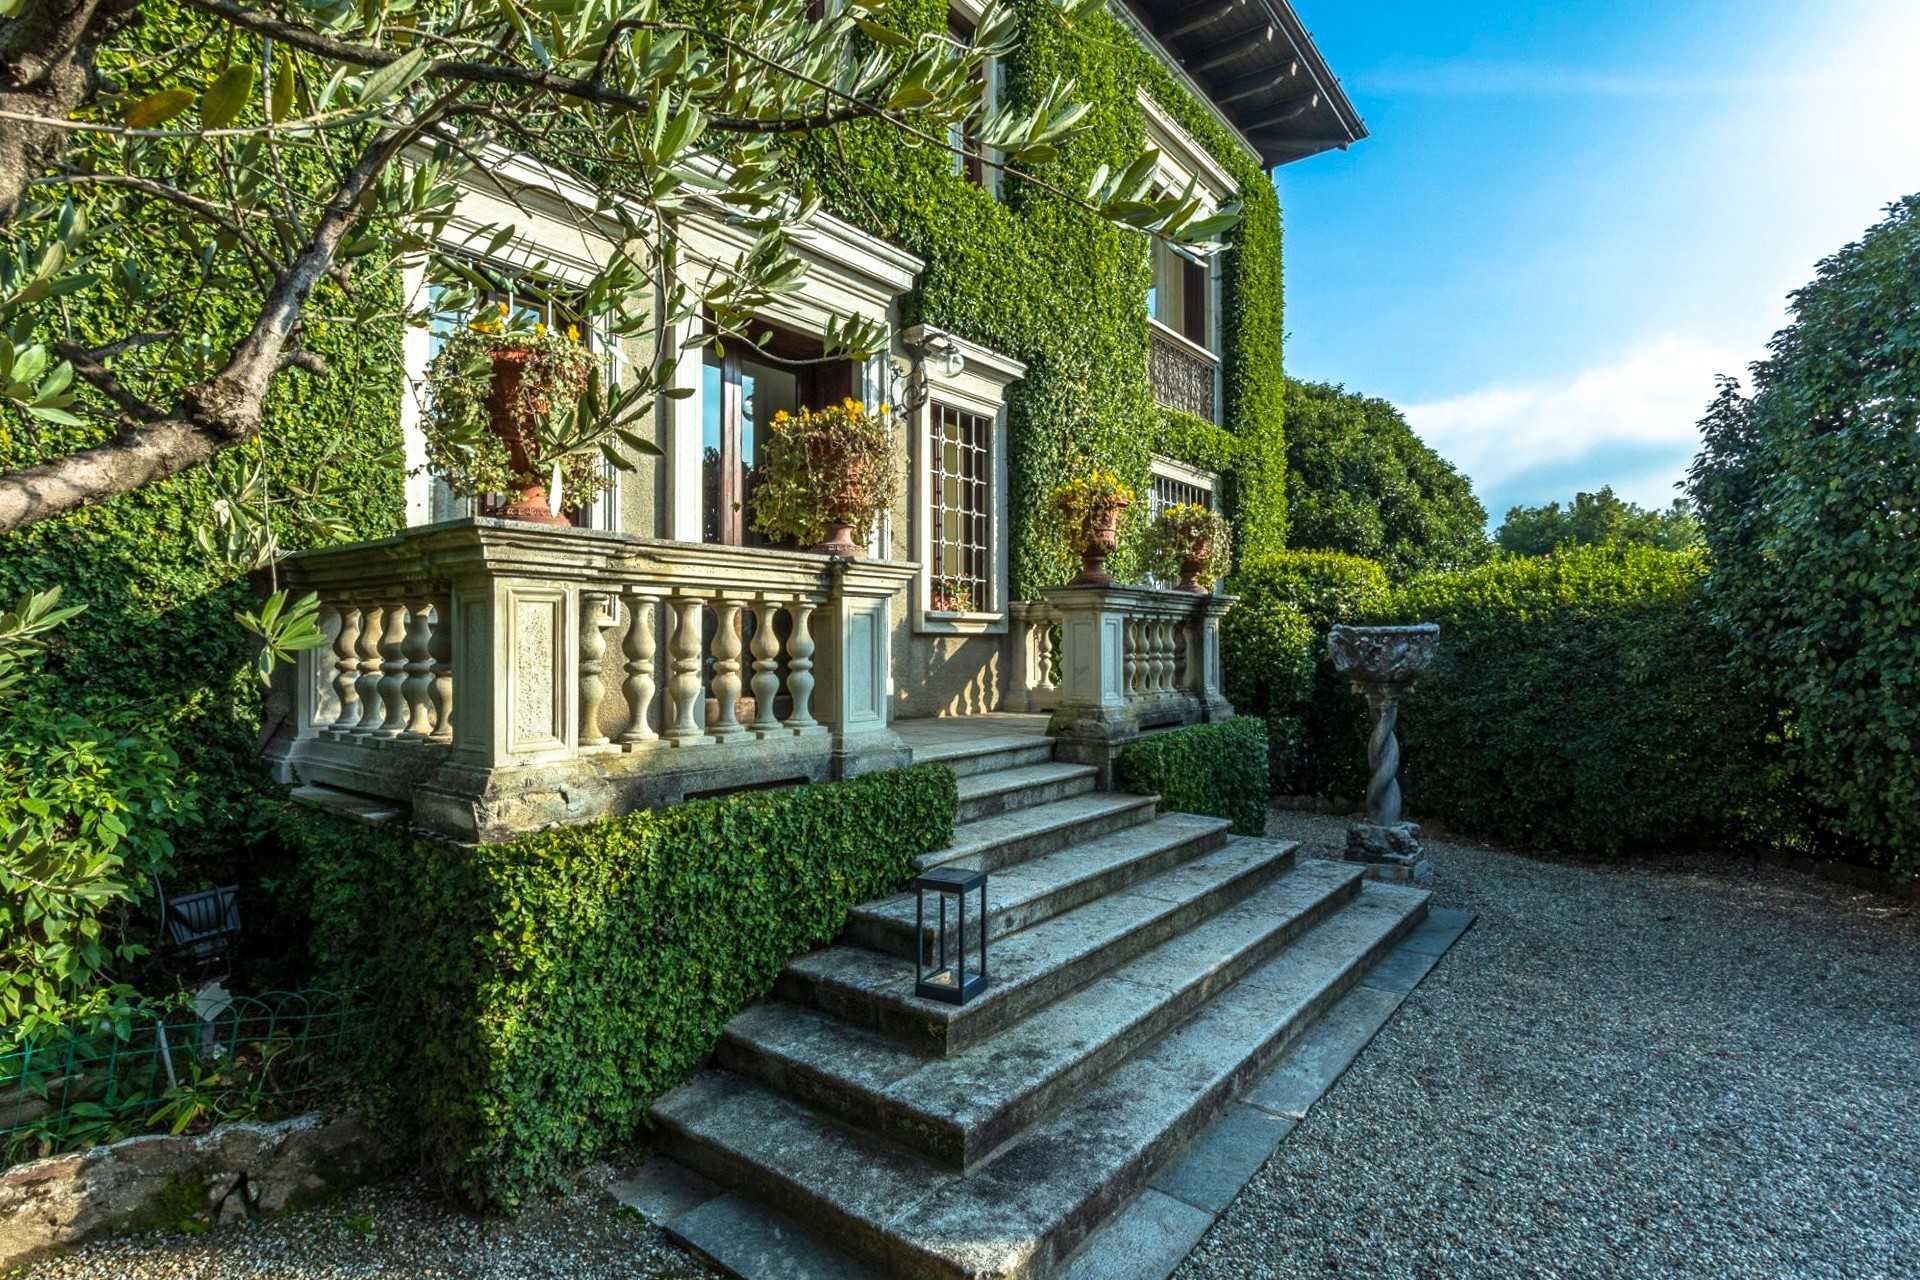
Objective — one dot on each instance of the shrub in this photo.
(531, 998)
(1809, 496)
(1273, 645)
(1218, 769)
(1581, 701)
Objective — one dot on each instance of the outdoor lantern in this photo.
(948, 980)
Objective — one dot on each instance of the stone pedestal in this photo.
(1384, 662)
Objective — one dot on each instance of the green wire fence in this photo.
(169, 1070)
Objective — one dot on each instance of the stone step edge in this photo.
(878, 928)
(950, 1145)
(946, 1029)
(990, 755)
(1049, 833)
(875, 1240)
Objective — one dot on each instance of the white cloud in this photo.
(1629, 423)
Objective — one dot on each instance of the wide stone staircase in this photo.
(1145, 970)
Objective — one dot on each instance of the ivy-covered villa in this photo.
(601, 749)
(491, 677)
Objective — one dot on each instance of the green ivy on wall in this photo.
(1029, 275)
(158, 638)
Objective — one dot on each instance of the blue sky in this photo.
(1570, 216)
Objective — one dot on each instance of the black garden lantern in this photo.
(948, 981)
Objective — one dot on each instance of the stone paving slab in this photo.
(750, 1240)
(1144, 1241)
(661, 1190)
(1215, 1165)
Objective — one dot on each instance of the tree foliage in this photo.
(1360, 481)
(1809, 493)
(1595, 520)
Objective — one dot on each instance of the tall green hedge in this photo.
(1583, 702)
(529, 999)
(1809, 496)
(1028, 275)
(1218, 769)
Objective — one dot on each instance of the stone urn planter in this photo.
(528, 500)
(1194, 563)
(1384, 663)
(1100, 535)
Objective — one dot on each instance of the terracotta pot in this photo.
(840, 542)
(1193, 563)
(528, 498)
(1102, 533)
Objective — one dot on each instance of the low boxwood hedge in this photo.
(1218, 769)
(531, 998)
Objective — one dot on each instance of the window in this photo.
(1171, 488)
(740, 393)
(1181, 296)
(967, 162)
(443, 503)
(960, 522)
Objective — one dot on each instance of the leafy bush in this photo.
(1273, 646)
(1219, 769)
(1809, 495)
(1582, 701)
(1360, 481)
(531, 998)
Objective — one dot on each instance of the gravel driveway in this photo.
(1671, 1069)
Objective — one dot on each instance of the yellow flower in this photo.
(539, 331)
(781, 415)
(573, 333)
(502, 307)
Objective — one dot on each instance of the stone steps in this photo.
(956, 1110)
(1037, 890)
(1008, 839)
(1037, 966)
(974, 756)
(1024, 1211)
(983, 795)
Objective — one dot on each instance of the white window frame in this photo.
(990, 172)
(977, 383)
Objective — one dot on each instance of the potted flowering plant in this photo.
(1192, 543)
(826, 474)
(1090, 507)
(952, 595)
(495, 385)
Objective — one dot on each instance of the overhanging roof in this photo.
(1257, 64)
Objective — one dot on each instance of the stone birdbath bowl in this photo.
(1383, 663)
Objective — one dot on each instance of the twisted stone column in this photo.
(1383, 753)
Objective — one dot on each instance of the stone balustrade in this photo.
(1034, 664)
(1125, 659)
(495, 677)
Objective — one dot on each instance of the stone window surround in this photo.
(978, 387)
(559, 229)
(1184, 160)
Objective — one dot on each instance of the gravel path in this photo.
(1671, 1069)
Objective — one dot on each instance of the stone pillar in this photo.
(853, 664)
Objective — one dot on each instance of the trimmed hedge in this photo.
(1218, 769)
(1273, 646)
(1584, 702)
(532, 998)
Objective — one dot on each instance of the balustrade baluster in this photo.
(418, 681)
(440, 678)
(726, 669)
(800, 665)
(683, 687)
(594, 622)
(1163, 668)
(367, 684)
(766, 667)
(637, 647)
(346, 674)
(393, 672)
(1133, 659)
